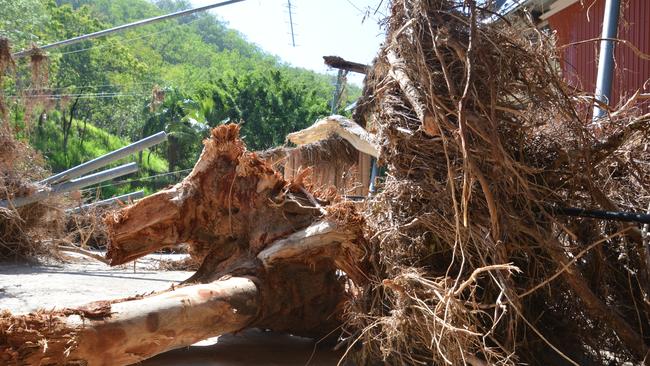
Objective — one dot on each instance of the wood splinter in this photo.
(269, 259)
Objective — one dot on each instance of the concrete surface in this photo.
(25, 288)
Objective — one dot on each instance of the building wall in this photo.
(580, 22)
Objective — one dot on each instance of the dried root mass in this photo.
(482, 138)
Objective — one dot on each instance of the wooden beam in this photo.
(342, 64)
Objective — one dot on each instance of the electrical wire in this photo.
(98, 86)
(172, 27)
(129, 39)
(80, 95)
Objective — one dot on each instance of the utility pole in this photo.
(25, 53)
(338, 90)
(293, 37)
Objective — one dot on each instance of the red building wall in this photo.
(580, 22)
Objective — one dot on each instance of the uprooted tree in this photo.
(269, 260)
(462, 258)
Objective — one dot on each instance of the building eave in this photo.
(557, 7)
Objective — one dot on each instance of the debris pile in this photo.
(484, 143)
(27, 232)
(23, 232)
(269, 256)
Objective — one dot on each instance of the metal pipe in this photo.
(104, 32)
(373, 177)
(606, 57)
(72, 185)
(106, 159)
(108, 202)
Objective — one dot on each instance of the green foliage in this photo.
(210, 74)
(270, 103)
(184, 120)
(22, 20)
(88, 142)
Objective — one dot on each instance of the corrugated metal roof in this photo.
(504, 7)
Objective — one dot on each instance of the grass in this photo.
(96, 142)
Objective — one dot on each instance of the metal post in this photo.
(107, 202)
(123, 27)
(72, 185)
(606, 57)
(373, 176)
(337, 90)
(106, 159)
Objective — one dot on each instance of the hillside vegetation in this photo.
(182, 76)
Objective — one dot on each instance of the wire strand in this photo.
(169, 28)
(79, 95)
(96, 86)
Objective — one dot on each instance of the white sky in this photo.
(322, 28)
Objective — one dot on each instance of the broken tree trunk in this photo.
(269, 259)
(127, 332)
(347, 129)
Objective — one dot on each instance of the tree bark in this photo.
(343, 64)
(67, 125)
(126, 332)
(270, 258)
(398, 73)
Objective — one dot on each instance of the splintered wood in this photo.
(268, 259)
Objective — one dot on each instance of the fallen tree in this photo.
(268, 253)
(460, 259)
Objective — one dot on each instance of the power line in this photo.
(80, 95)
(120, 28)
(80, 87)
(100, 85)
(171, 27)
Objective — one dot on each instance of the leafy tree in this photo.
(22, 20)
(209, 72)
(184, 121)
